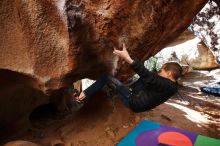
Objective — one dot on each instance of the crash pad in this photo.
(149, 133)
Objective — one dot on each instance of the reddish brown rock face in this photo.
(145, 26)
(53, 43)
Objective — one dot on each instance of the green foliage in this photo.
(152, 64)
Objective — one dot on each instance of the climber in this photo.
(149, 91)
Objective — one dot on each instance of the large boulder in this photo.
(46, 45)
(201, 58)
(192, 52)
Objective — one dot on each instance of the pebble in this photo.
(137, 119)
(110, 132)
(125, 126)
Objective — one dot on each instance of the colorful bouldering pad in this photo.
(149, 133)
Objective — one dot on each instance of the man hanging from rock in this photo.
(149, 91)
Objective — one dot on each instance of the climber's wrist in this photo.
(129, 60)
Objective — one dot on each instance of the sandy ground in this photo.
(104, 122)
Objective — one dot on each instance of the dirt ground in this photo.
(104, 122)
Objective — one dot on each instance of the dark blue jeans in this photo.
(122, 90)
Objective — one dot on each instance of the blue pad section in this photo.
(129, 140)
(213, 89)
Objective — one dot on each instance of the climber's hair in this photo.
(175, 68)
